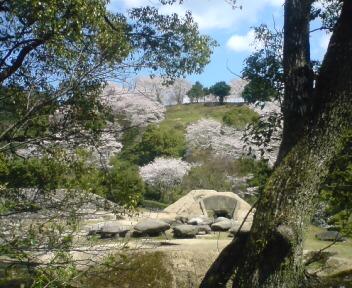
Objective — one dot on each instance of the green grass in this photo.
(342, 249)
(180, 116)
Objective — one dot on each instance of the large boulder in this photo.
(204, 229)
(185, 231)
(224, 225)
(210, 203)
(150, 227)
(181, 219)
(201, 220)
(94, 229)
(110, 230)
(329, 236)
(220, 219)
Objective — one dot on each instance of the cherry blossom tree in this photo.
(165, 171)
(135, 108)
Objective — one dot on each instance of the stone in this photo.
(169, 221)
(219, 219)
(224, 225)
(94, 229)
(201, 220)
(204, 229)
(150, 227)
(181, 219)
(329, 236)
(110, 230)
(185, 231)
(211, 204)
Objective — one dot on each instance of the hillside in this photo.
(180, 116)
(196, 146)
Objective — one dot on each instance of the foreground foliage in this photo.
(55, 59)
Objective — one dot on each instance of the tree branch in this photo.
(6, 73)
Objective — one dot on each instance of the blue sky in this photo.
(231, 28)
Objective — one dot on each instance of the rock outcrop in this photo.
(210, 204)
(150, 227)
(185, 231)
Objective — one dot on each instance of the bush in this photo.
(162, 194)
(43, 173)
(125, 186)
(336, 192)
(157, 142)
(261, 173)
(206, 176)
(223, 174)
(214, 172)
(239, 117)
(151, 204)
(58, 170)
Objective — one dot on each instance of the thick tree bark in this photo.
(296, 106)
(272, 254)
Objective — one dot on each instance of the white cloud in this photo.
(209, 14)
(324, 41)
(135, 3)
(242, 43)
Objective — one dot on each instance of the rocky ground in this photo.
(187, 260)
(175, 247)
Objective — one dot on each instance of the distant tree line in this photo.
(220, 90)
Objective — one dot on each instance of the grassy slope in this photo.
(180, 116)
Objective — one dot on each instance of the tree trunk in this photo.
(271, 255)
(298, 74)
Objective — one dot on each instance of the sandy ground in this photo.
(191, 258)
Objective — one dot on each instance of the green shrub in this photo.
(336, 192)
(157, 142)
(237, 167)
(216, 173)
(239, 117)
(152, 193)
(43, 173)
(261, 173)
(125, 186)
(209, 175)
(152, 204)
(121, 183)
(163, 194)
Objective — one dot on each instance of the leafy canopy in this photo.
(264, 68)
(58, 54)
(55, 57)
(156, 141)
(221, 90)
(196, 92)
